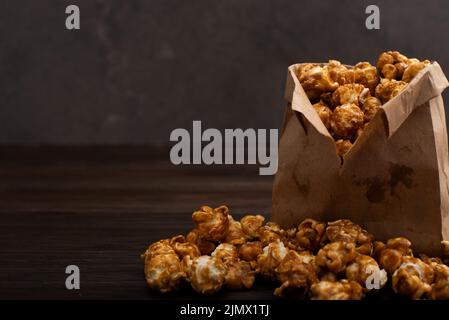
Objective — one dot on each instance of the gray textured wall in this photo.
(138, 69)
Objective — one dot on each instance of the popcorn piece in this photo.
(163, 269)
(296, 272)
(205, 246)
(370, 107)
(250, 250)
(310, 234)
(366, 74)
(342, 146)
(336, 256)
(390, 256)
(226, 252)
(345, 120)
(340, 290)
(388, 89)
(212, 224)
(390, 71)
(324, 112)
(440, 287)
(315, 80)
(239, 275)
(413, 69)
(348, 93)
(270, 258)
(413, 278)
(235, 233)
(348, 231)
(184, 248)
(251, 225)
(390, 57)
(207, 274)
(270, 232)
(363, 267)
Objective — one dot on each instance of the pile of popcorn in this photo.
(316, 260)
(347, 98)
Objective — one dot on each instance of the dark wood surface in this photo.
(98, 208)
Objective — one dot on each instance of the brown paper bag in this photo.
(395, 179)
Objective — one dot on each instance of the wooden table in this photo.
(98, 208)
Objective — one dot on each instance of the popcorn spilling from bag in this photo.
(347, 98)
(337, 260)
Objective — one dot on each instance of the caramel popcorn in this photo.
(346, 258)
(388, 89)
(440, 287)
(250, 250)
(348, 231)
(270, 258)
(251, 225)
(212, 224)
(335, 256)
(296, 273)
(184, 248)
(413, 278)
(207, 274)
(239, 275)
(235, 233)
(370, 107)
(362, 268)
(310, 234)
(163, 269)
(366, 74)
(345, 120)
(316, 80)
(343, 146)
(413, 69)
(225, 252)
(269, 233)
(205, 246)
(324, 112)
(347, 94)
(336, 290)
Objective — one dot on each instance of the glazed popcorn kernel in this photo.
(342, 146)
(338, 290)
(184, 248)
(440, 287)
(250, 251)
(205, 246)
(235, 233)
(413, 279)
(310, 234)
(316, 80)
(251, 225)
(366, 74)
(370, 107)
(163, 271)
(296, 273)
(348, 231)
(270, 258)
(239, 275)
(207, 274)
(362, 268)
(388, 89)
(345, 120)
(212, 224)
(412, 70)
(324, 112)
(225, 252)
(348, 93)
(270, 232)
(335, 256)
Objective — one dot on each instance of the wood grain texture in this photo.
(98, 208)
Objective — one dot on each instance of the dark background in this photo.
(138, 69)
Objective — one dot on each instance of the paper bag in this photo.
(394, 181)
